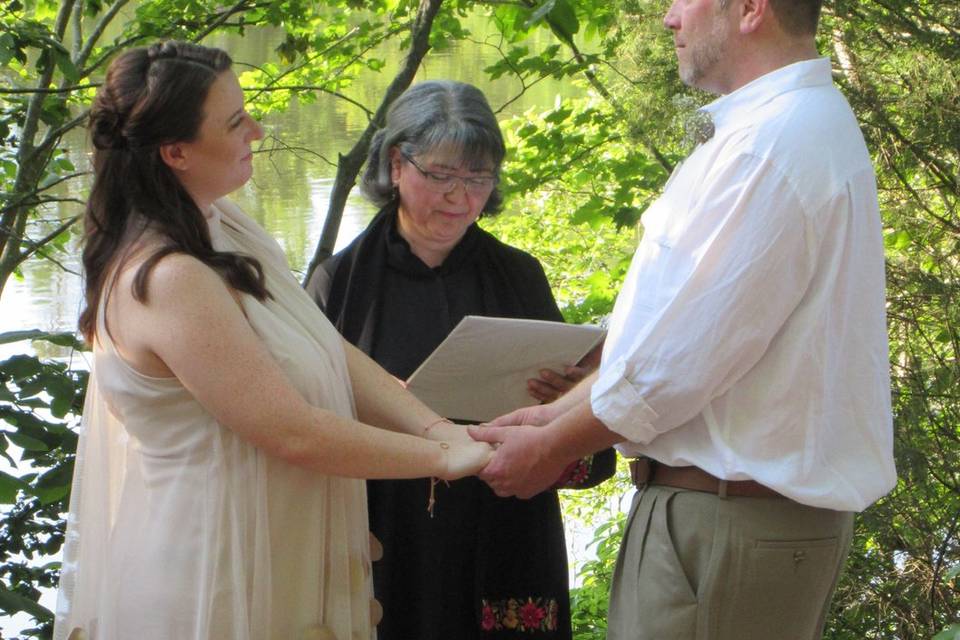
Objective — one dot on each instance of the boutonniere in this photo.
(697, 124)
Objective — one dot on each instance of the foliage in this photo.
(583, 510)
(40, 404)
(575, 188)
(902, 80)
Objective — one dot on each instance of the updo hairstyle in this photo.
(151, 96)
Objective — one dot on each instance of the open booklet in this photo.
(480, 370)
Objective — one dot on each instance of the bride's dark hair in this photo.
(150, 97)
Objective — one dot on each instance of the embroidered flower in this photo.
(553, 615)
(531, 615)
(580, 472)
(510, 620)
(489, 620)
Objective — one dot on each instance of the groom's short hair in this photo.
(796, 17)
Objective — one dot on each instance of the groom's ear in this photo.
(753, 13)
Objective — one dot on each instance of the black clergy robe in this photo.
(483, 566)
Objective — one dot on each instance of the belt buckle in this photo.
(641, 469)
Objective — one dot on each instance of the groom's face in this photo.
(702, 34)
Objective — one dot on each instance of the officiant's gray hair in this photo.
(431, 115)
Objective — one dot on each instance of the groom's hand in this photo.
(522, 465)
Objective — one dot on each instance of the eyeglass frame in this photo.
(435, 179)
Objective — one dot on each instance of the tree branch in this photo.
(602, 90)
(238, 7)
(49, 90)
(283, 146)
(98, 30)
(36, 245)
(313, 87)
(9, 246)
(77, 29)
(33, 194)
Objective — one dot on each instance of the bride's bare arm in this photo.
(193, 327)
(383, 402)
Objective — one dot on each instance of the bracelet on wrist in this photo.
(434, 480)
(433, 424)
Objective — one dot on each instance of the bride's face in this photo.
(220, 159)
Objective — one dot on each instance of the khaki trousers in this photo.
(694, 566)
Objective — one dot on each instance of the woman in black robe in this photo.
(480, 566)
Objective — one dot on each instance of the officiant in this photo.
(476, 566)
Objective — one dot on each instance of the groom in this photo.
(746, 367)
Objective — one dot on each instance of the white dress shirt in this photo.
(750, 335)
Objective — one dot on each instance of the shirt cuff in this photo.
(617, 403)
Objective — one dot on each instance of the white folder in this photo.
(480, 370)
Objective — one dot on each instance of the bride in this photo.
(217, 492)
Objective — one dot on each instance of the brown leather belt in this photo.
(644, 471)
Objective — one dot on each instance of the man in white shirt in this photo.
(746, 364)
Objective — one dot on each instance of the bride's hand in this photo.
(466, 459)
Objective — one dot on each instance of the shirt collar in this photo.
(806, 73)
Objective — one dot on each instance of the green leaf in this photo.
(952, 573)
(563, 16)
(12, 602)
(26, 442)
(5, 444)
(21, 367)
(59, 476)
(61, 405)
(66, 66)
(950, 633)
(51, 494)
(626, 216)
(9, 486)
(62, 339)
(7, 45)
(898, 240)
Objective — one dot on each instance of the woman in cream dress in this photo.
(217, 491)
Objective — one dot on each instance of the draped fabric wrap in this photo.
(482, 566)
(180, 529)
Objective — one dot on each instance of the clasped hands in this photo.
(522, 465)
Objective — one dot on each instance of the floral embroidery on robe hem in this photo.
(528, 615)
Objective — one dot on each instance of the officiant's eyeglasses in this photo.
(447, 182)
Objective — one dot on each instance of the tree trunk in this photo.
(13, 222)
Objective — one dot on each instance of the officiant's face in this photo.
(441, 194)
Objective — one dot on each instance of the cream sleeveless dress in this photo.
(180, 530)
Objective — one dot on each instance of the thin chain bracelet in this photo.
(434, 481)
(432, 425)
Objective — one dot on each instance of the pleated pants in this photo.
(695, 566)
